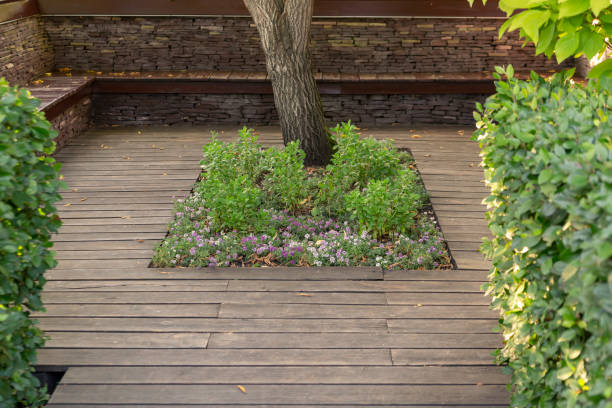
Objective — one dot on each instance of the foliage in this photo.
(28, 189)
(564, 28)
(385, 207)
(547, 150)
(354, 164)
(286, 180)
(251, 208)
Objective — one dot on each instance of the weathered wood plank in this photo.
(211, 357)
(252, 298)
(488, 395)
(140, 285)
(211, 325)
(442, 325)
(287, 375)
(356, 312)
(356, 340)
(129, 310)
(107, 340)
(443, 357)
(340, 286)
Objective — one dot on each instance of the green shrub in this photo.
(285, 183)
(547, 149)
(385, 207)
(355, 162)
(28, 189)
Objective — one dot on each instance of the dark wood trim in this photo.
(56, 108)
(405, 87)
(331, 8)
(16, 9)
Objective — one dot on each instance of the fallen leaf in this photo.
(140, 240)
(164, 174)
(67, 205)
(242, 389)
(427, 155)
(153, 146)
(84, 198)
(48, 74)
(479, 384)
(416, 136)
(162, 148)
(37, 82)
(304, 294)
(65, 69)
(74, 190)
(99, 73)
(140, 132)
(127, 158)
(126, 217)
(471, 164)
(61, 176)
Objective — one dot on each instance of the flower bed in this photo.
(256, 207)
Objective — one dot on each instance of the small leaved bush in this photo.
(547, 152)
(28, 189)
(256, 207)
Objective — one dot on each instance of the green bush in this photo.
(28, 189)
(384, 207)
(355, 162)
(285, 183)
(547, 151)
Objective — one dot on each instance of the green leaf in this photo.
(564, 373)
(602, 69)
(531, 21)
(571, 8)
(591, 43)
(547, 35)
(567, 46)
(598, 5)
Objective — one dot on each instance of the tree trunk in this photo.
(284, 28)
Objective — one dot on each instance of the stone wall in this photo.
(25, 51)
(72, 122)
(375, 45)
(253, 110)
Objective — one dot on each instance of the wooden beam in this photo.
(331, 8)
(16, 9)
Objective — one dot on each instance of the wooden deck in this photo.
(132, 336)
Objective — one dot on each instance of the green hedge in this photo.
(547, 151)
(28, 189)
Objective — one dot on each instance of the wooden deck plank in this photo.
(139, 336)
(286, 375)
(282, 394)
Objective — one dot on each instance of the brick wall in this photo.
(339, 45)
(72, 122)
(253, 110)
(25, 51)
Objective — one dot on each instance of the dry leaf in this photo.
(48, 74)
(140, 132)
(98, 73)
(164, 174)
(479, 384)
(304, 294)
(127, 158)
(162, 148)
(126, 217)
(61, 176)
(153, 146)
(37, 82)
(471, 164)
(427, 155)
(66, 69)
(242, 389)
(84, 198)
(74, 190)
(67, 205)
(416, 136)
(140, 240)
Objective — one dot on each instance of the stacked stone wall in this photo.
(374, 45)
(254, 110)
(25, 51)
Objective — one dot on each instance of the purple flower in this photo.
(192, 251)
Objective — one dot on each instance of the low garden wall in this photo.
(73, 121)
(236, 109)
(372, 45)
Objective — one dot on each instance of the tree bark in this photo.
(284, 28)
